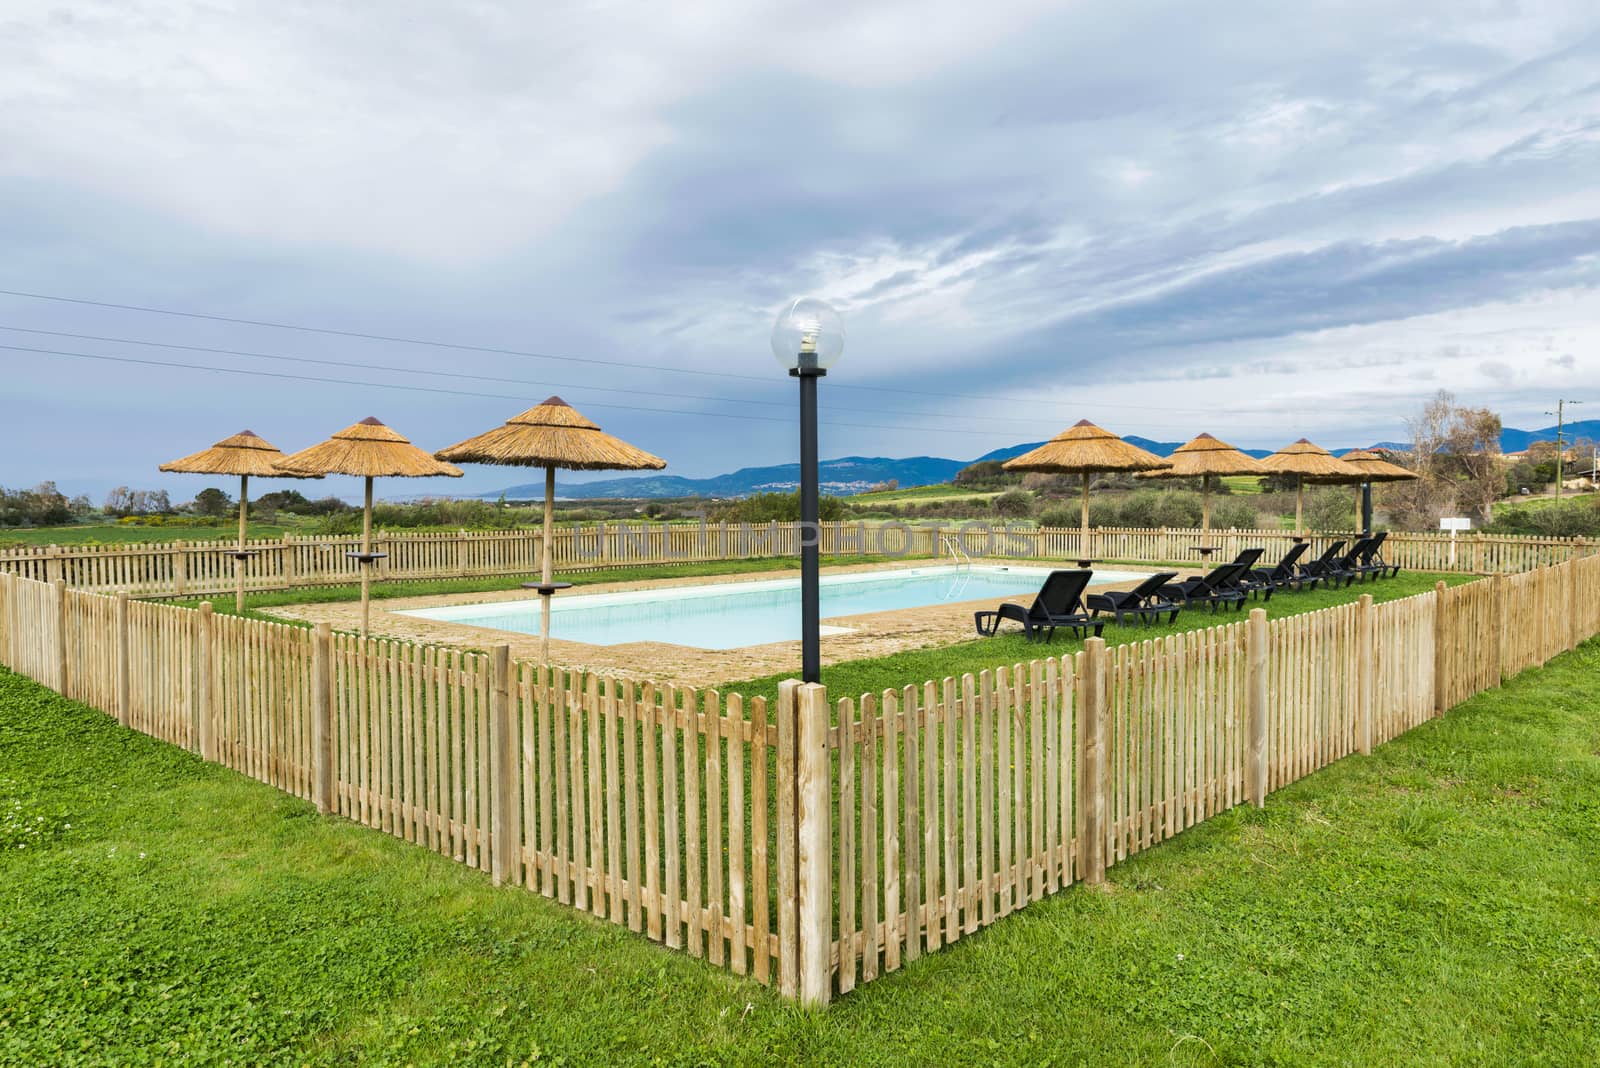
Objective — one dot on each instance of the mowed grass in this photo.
(132, 533)
(1436, 903)
(873, 675)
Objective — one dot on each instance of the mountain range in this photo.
(849, 475)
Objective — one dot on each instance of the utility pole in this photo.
(1561, 445)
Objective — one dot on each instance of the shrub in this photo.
(1060, 517)
(1014, 504)
(1236, 514)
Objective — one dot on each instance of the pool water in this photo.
(731, 615)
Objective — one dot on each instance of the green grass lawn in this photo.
(132, 533)
(873, 675)
(1436, 903)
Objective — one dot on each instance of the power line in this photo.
(450, 392)
(497, 351)
(389, 368)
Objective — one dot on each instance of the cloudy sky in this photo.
(1257, 219)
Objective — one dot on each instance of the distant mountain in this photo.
(856, 474)
(1512, 440)
(842, 477)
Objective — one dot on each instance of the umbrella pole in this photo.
(1205, 504)
(366, 562)
(545, 569)
(238, 560)
(1299, 503)
(1083, 537)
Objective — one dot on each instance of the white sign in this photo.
(1454, 523)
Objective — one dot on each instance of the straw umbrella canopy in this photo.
(1085, 449)
(1305, 460)
(1372, 468)
(244, 454)
(551, 435)
(1206, 458)
(367, 450)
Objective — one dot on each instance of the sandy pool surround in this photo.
(868, 635)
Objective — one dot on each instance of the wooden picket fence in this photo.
(814, 845)
(190, 569)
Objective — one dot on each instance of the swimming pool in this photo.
(731, 615)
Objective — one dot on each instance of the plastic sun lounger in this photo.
(1213, 589)
(1372, 561)
(1142, 601)
(1321, 569)
(1283, 573)
(1058, 604)
(1247, 581)
(1347, 566)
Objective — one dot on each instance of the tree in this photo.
(212, 502)
(1455, 451)
(119, 502)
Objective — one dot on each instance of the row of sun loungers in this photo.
(1061, 602)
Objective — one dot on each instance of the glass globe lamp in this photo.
(808, 337)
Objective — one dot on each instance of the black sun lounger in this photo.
(1372, 561)
(1323, 569)
(1142, 601)
(1213, 589)
(1283, 573)
(1059, 604)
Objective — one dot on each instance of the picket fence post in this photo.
(180, 569)
(1574, 632)
(58, 595)
(124, 709)
(1502, 598)
(788, 856)
(204, 689)
(1441, 661)
(505, 843)
(8, 583)
(1364, 675)
(1093, 789)
(814, 846)
(322, 759)
(1256, 706)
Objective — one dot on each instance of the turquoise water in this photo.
(732, 615)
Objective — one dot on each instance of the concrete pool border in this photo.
(863, 636)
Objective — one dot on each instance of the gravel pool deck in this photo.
(870, 635)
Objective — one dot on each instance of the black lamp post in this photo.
(807, 338)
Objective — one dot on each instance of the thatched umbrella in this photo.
(1206, 458)
(366, 450)
(244, 454)
(1372, 468)
(1085, 449)
(552, 435)
(1305, 460)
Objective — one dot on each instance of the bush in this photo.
(1014, 504)
(1060, 517)
(770, 507)
(1234, 514)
